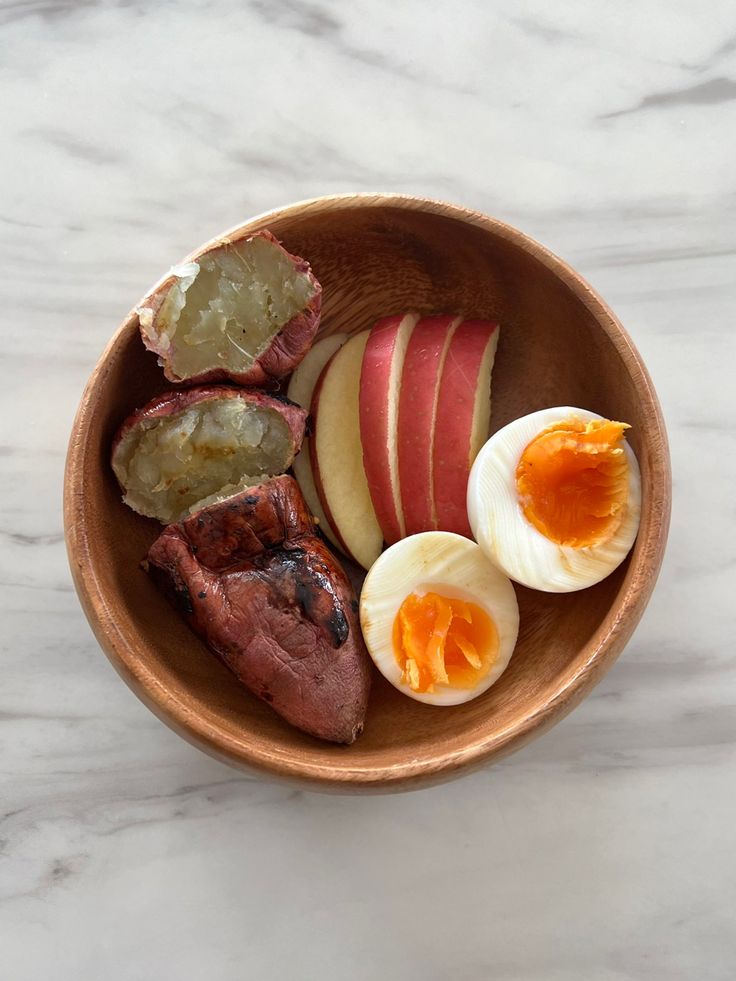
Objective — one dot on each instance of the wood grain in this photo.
(560, 345)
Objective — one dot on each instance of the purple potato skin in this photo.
(284, 353)
(261, 588)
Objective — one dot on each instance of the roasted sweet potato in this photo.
(261, 588)
(245, 311)
(185, 449)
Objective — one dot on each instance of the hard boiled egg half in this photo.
(554, 498)
(439, 620)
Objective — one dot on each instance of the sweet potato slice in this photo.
(186, 449)
(245, 311)
(255, 581)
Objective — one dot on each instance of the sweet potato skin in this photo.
(284, 353)
(257, 584)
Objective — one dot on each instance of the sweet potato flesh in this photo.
(171, 466)
(226, 313)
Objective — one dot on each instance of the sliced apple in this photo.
(337, 455)
(301, 389)
(380, 384)
(463, 419)
(420, 379)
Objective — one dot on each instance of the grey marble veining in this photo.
(130, 133)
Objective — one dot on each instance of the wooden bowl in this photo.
(560, 345)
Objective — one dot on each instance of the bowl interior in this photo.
(558, 346)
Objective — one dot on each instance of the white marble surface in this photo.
(133, 131)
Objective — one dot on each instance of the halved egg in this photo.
(439, 620)
(554, 498)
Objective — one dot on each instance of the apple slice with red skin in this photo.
(463, 419)
(420, 380)
(380, 386)
(301, 390)
(337, 455)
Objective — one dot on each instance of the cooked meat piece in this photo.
(264, 592)
(245, 310)
(187, 449)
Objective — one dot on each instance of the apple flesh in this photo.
(380, 385)
(337, 455)
(462, 420)
(301, 390)
(420, 380)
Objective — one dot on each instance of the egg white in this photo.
(512, 542)
(454, 567)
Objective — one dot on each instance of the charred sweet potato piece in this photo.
(267, 596)
(245, 311)
(185, 449)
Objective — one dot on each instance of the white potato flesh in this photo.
(456, 568)
(224, 310)
(170, 465)
(512, 542)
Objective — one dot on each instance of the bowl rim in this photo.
(602, 648)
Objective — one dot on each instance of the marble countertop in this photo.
(130, 133)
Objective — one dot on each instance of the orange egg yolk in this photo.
(573, 481)
(443, 641)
